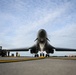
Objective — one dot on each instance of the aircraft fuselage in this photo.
(42, 43)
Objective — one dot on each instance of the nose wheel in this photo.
(42, 54)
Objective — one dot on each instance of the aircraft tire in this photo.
(36, 55)
(43, 54)
(47, 55)
(40, 54)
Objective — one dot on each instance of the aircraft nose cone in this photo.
(42, 34)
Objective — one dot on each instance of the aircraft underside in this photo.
(39, 53)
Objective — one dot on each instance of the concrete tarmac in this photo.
(13, 58)
(39, 67)
(18, 59)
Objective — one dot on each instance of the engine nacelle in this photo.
(50, 49)
(33, 50)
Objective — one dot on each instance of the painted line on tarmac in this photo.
(19, 60)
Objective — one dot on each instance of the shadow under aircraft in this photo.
(41, 45)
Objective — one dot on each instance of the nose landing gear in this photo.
(41, 54)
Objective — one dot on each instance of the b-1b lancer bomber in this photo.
(41, 45)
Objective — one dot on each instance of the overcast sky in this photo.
(20, 21)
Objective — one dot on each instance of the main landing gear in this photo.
(42, 55)
(36, 55)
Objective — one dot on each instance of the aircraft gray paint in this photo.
(41, 45)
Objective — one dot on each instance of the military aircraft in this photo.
(41, 45)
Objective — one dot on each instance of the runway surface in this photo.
(45, 66)
(18, 59)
